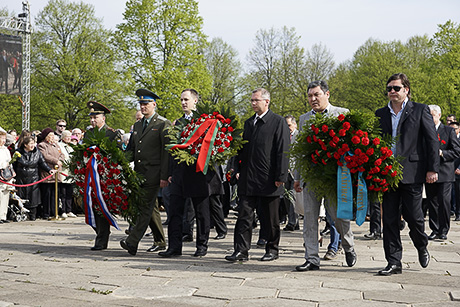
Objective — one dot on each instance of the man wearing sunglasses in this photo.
(418, 146)
(60, 126)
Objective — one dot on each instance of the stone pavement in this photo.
(49, 263)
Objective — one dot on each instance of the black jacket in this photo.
(264, 159)
(27, 171)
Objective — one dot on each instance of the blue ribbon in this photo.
(344, 192)
(361, 200)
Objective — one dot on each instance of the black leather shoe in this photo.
(391, 269)
(5, 221)
(187, 238)
(200, 253)
(372, 236)
(220, 236)
(307, 266)
(169, 253)
(131, 249)
(423, 257)
(442, 237)
(98, 248)
(457, 218)
(288, 228)
(350, 257)
(269, 257)
(261, 243)
(433, 236)
(237, 256)
(156, 248)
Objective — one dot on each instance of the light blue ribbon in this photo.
(344, 192)
(361, 200)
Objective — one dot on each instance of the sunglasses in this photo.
(62, 125)
(395, 87)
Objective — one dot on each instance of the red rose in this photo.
(192, 151)
(309, 139)
(393, 174)
(369, 177)
(370, 152)
(361, 169)
(335, 139)
(105, 159)
(346, 125)
(443, 142)
(312, 127)
(332, 133)
(96, 150)
(384, 190)
(337, 155)
(224, 129)
(315, 138)
(376, 141)
(325, 128)
(342, 132)
(230, 138)
(85, 154)
(365, 141)
(355, 140)
(332, 144)
(230, 129)
(215, 113)
(228, 121)
(359, 133)
(220, 149)
(341, 117)
(378, 162)
(227, 144)
(324, 162)
(329, 155)
(339, 163)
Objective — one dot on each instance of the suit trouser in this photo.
(439, 196)
(176, 208)
(102, 230)
(269, 221)
(375, 218)
(217, 214)
(148, 211)
(310, 226)
(457, 198)
(188, 219)
(409, 196)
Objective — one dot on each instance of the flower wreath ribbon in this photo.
(204, 156)
(345, 195)
(92, 181)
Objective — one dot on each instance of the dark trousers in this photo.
(176, 209)
(66, 196)
(375, 218)
(102, 230)
(48, 195)
(457, 198)
(409, 196)
(439, 196)
(188, 220)
(217, 214)
(269, 220)
(147, 213)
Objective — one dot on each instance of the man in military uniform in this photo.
(97, 113)
(147, 143)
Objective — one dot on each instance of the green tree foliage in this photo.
(72, 63)
(162, 43)
(445, 67)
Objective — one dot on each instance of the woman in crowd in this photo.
(53, 157)
(66, 187)
(26, 168)
(5, 158)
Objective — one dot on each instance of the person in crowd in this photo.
(375, 223)
(263, 171)
(73, 140)
(417, 142)
(60, 126)
(455, 207)
(21, 137)
(186, 183)
(77, 133)
(148, 146)
(53, 157)
(5, 158)
(97, 112)
(66, 186)
(27, 169)
(450, 118)
(439, 193)
(4, 66)
(318, 98)
(289, 202)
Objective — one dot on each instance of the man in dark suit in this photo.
(262, 173)
(97, 113)
(147, 144)
(186, 182)
(418, 145)
(439, 193)
(456, 205)
(318, 98)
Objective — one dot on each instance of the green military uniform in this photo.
(151, 160)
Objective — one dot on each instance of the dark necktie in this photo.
(144, 125)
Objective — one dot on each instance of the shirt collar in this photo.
(325, 111)
(262, 115)
(402, 108)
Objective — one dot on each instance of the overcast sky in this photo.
(341, 25)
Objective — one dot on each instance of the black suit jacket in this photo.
(450, 152)
(264, 157)
(417, 140)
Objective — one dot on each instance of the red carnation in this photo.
(341, 117)
(355, 140)
(443, 142)
(376, 141)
